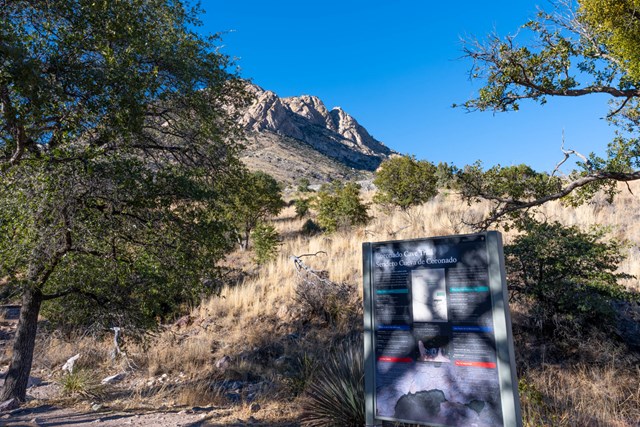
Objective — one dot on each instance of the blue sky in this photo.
(396, 67)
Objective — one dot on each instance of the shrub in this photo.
(336, 395)
(265, 242)
(566, 274)
(256, 197)
(339, 206)
(332, 302)
(301, 371)
(445, 175)
(303, 186)
(81, 383)
(404, 181)
(302, 207)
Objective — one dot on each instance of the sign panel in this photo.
(438, 347)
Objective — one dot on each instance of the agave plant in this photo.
(335, 396)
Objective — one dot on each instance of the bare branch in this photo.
(319, 252)
(624, 103)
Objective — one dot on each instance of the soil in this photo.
(45, 409)
(47, 415)
(39, 414)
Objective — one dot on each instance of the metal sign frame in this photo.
(504, 350)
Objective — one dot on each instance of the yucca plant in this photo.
(335, 396)
(81, 383)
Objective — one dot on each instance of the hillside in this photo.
(247, 356)
(297, 137)
(288, 159)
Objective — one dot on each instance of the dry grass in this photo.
(622, 218)
(584, 395)
(52, 351)
(253, 321)
(590, 395)
(175, 354)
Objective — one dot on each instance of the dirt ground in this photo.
(45, 415)
(42, 409)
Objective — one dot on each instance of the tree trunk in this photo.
(15, 385)
(244, 239)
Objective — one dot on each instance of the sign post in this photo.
(438, 343)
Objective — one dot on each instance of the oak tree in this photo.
(255, 196)
(115, 144)
(404, 181)
(582, 48)
(339, 206)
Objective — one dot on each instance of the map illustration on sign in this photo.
(434, 340)
(429, 296)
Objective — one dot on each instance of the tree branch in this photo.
(10, 114)
(513, 205)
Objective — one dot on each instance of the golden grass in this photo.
(249, 317)
(584, 395)
(53, 351)
(192, 354)
(621, 217)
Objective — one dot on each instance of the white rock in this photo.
(114, 378)
(70, 363)
(223, 363)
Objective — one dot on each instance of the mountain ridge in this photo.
(280, 123)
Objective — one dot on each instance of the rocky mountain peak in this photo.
(268, 113)
(309, 107)
(333, 133)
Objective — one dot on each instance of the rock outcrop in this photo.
(305, 118)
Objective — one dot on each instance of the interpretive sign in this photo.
(438, 344)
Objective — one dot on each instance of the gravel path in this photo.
(51, 416)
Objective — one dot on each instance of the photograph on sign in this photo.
(435, 350)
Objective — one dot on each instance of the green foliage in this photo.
(303, 369)
(256, 196)
(302, 207)
(116, 152)
(508, 188)
(336, 394)
(535, 410)
(265, 243)
(565, 272)
(404, 181)
(583, 48)
(510, 182)
(303, 185)
(616, 25)
(445, 175)
(339, 206)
